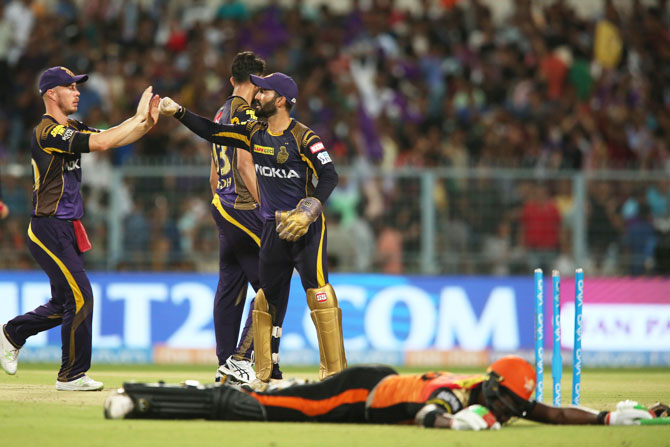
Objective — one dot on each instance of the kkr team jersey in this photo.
(398, 398)
(56, 160)
(289, 166)
(231, 188)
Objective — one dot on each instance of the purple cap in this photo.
(55, 76)
(283, 84)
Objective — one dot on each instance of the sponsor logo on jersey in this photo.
(268, 171)
(217, 117)
(72, 165)
(265, 150)
(67, 134)
(282, 156)
(316, 147)
(324, 158)
(58, 130)
(321, 297)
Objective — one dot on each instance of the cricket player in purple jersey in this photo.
(295, 176)
(237, 215)
(57, 239)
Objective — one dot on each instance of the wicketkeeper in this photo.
(295, 177)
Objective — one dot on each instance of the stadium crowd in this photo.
(442, 85)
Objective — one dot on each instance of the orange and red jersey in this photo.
(398, 398)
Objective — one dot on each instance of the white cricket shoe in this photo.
(118, 405)
(240, 370)
(10, 354)
(84, 383)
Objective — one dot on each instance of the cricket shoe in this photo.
(241, 371)
(118, 405)
(10, 353)
(84, 383)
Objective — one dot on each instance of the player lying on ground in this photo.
(370, 394)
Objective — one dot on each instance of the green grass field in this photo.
(33, 413)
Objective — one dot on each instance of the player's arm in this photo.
(245, 166)
(313, 149)
(128, 131)
(236, 135)
(76, 139)
(475, 417)
(627, 413)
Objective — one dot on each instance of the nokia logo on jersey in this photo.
(72, 165)
(267, 171)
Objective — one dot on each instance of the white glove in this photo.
(475, 417)
(168, 107)
(628, 412)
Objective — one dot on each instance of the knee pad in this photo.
(327, 318)
(265, 336)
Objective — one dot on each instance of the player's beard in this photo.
(268, 109)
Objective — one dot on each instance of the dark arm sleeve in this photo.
(328, 180)
(235, 135)
(313, 149)
(80, 143)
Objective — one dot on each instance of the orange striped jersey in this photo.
(398, 398)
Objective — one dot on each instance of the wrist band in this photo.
(601, 417)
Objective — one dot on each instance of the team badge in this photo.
(324, 158)
(282, 156)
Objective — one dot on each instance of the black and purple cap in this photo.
(55, 76)
(283, 84)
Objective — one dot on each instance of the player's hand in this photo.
(628, 412)
(292, 225)
(475, 417)
(145, 101)
(153, 110)
(168, 107)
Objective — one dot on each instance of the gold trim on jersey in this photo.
(62, 185)
(233, 135)
(319, 262)
(216, 201)
(78, 297)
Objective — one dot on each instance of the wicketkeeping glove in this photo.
(475, 417)
(628, 412)
(292, 225)
(168, 107)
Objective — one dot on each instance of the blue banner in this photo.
(396, 315)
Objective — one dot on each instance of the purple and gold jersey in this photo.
(231, 188)
(290, 166)
(56, 166)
